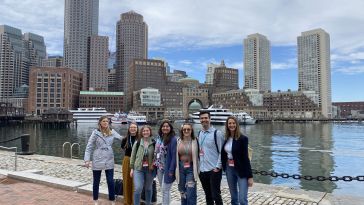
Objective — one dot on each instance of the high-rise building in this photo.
(97, 72)
(81, 20)
(11, 54)
(131, 43)
(36, 48)
(17, 54)
(314, 70)
(257, 62)
(35, 52)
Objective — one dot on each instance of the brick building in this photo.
(51, 87)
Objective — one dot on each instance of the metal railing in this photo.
(64, 144)
(71, 149)
(79, 150)
(15, 155)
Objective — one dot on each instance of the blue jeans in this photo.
(143, 178)
(165, 188)
(235, 183)
(187, 185)
(110, 183)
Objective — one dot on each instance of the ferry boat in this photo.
(136, 117)
(89, 115)
(219, 116)
(244, 118)
(119, 118)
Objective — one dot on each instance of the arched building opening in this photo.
(194, 105)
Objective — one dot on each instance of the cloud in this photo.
(353, 70)
(45, 18)
(288, 64)
(354, 56)
(185, 62)
(203, 23)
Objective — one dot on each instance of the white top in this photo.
(228, 147)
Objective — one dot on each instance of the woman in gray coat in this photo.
(100, 143)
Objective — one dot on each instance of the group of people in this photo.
(184, 157)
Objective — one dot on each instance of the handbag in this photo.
(118, 186)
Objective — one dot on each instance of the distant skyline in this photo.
(190, 34)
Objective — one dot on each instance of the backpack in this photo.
(215, 138)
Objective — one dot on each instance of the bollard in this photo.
(25, 142)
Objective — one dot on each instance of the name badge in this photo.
(231, 162)
(158, 155)
(186, 165)
(145, 163)
(202, 153)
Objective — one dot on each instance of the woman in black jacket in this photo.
(236, 163)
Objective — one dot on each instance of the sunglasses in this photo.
(186, 129)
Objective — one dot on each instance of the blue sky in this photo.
(190, 34)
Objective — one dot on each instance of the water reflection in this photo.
(315, 149)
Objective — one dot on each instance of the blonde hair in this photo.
(106, 131)
(237, 133)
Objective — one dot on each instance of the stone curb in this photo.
(46, 180)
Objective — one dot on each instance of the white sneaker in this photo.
(96, 202)
(112, 202)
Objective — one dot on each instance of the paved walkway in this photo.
(60, 181)
(15, 192)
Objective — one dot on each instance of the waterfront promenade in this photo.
(41, 179)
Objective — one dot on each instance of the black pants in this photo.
(211, 182)
(110, 183)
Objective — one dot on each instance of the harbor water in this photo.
(307, 149)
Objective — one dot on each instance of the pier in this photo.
(50, 174)
(10, 113)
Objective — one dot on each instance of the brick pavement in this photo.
(14, 192)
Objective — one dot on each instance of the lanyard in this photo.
(145, 148)
(205, 135)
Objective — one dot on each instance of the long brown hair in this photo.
(237, 133)
(128, 134)
(192, 132)
(107, 131)
(167, 138)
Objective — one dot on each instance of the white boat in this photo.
(244, 118)
(219, 116)
(89, 115)
(136, 117)
(119, 118)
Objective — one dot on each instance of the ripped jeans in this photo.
(187, 185)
